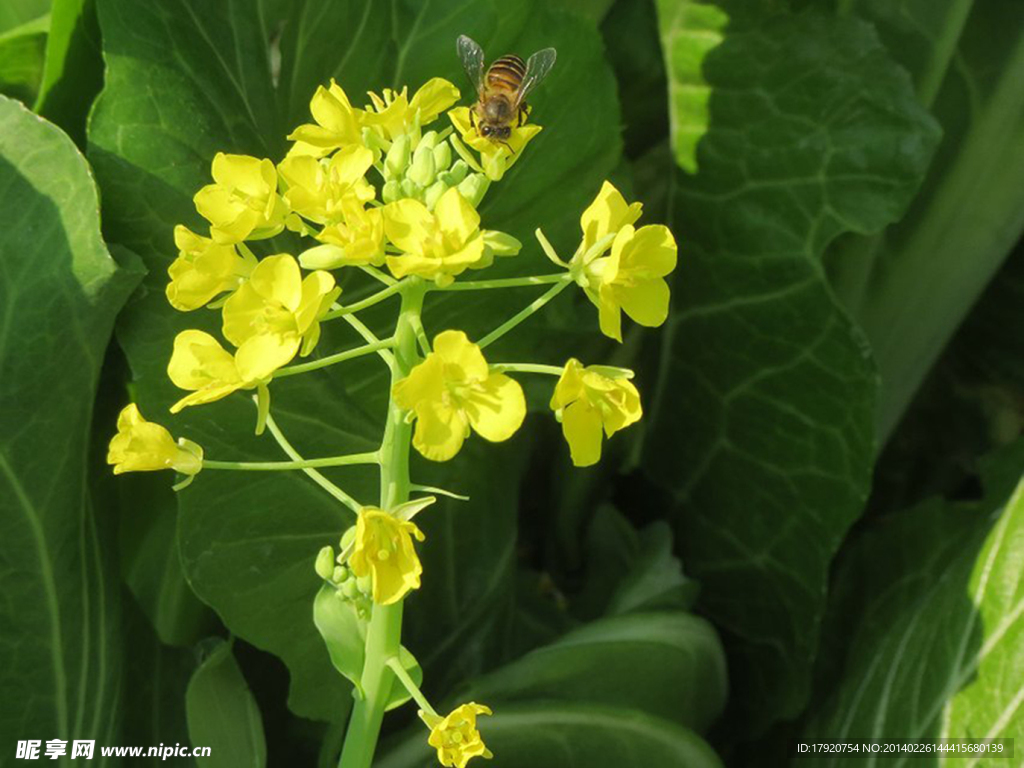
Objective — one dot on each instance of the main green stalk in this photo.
(384, 635)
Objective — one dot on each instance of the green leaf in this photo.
(911, 286)
(938, 651)
(172, 99)
(222, 713)
(73, 74)
(21, 58)
(689, 31)
(60, 289)
(667, 664)
(343, 633)
(150, 564)
(761, 425)
(14, 13)
(542, 735)
(156, 678)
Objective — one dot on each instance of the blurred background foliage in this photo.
(811, 534)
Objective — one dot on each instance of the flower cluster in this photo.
(374, 191)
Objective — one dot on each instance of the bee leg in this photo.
(472, 119)
(523, 114)
(509, 147)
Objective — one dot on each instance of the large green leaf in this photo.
(938, 650)
(222, 713)
(21, 58)
(761, 426)
(668, 664)
(913, 285)
(542, 735)
(174, 97)
(73, 73)
(60, 289)
(689, 31)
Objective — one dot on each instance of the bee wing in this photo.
(472, 56)
(537, 68)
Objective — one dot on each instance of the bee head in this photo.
(486, 131)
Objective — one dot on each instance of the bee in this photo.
(502, 88)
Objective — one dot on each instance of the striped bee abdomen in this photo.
(506, 73)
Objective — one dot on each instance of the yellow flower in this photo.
(587, 402)
(357, 240)
(453, 390)
(456, 737)
(631, 277)
(316, 189)
(384, 551)
(337, 123)
(393, 113)
(141, 446)
(606, 215)
(276, 312)
(438, 245)
(203, 269)
(495, 157)
(243, 202)
(200, 364)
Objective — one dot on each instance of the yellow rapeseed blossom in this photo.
(336, 123)
(393, 113)
(317, 189)
(277, 312)
(200, 364)
(631, 278)
(495, 157)
(357, 240)
(242, 203)
(456, 737)
(453, 390)
(203, 270)
(589, 402)
(142, 446)
(383, 550)
(442, 244)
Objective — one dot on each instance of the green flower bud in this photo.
(442, 155)
(350, 589)
(429, 140)
(422, 169)
(348, 538)
(325, 563)
(391, 191)
(433, 193)
(474, 187)
(364, 584)
(411, 189)
(397, 159)
(339, 574)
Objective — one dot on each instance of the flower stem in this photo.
(369, 301)
(315, 476)
(340, 357)
(550, 370)
(384, 634)
(396, 666)
(520, 316)
(330, 461)
(508, 282)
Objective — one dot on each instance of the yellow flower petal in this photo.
(645, 302)
(440, 430)
(202, 270)
(433, 98)
(261, 355)
(409, 225)
(581, 425)
(199, 360)
(607, 214)
(463, 359)
(456, 218)
(497, 409)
